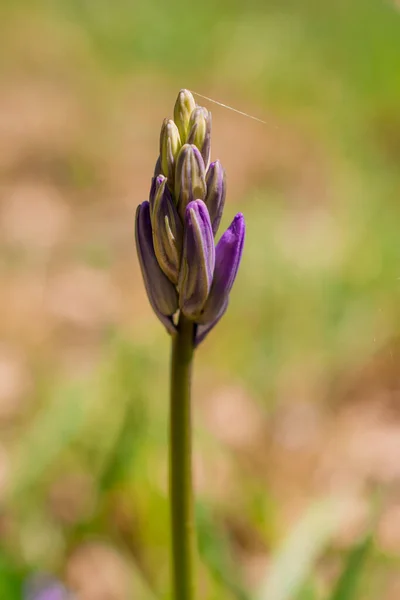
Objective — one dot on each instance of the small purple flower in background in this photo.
(43, 587)
(181, 267)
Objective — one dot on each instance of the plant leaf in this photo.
(292, 564)
(347, 585)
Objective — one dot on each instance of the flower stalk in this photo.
(180, 463)
(188, 279)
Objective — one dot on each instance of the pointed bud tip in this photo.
(183, 109)
(196, 206)
(170, 144)
(235, 234)
(158, 182)
(190, 152)
(189, 148)
(185, 92)
(238, 222)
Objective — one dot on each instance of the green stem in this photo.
(181, 493)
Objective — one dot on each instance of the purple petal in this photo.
(203, 330)
(227, 259)
(157, 167)
(156, 183)
(167, 230)
(216, 192)
(198, 260)
(161, 292)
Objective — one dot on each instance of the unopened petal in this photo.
(156, 182)
(228, 254)
(216, 193)
(200, 132)
(167, 231)
(198, 260)
(170, 144)
(161, 292)
(190, 182)
(203, 330)
(184, 106)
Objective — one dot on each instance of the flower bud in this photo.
(190, 183)
(167, 229)
(170, 143)
(227, 259)
(156, 182)
(161, 292)
(200, 132)
(184, 106)
(203, 330)
(216, 192)
(198, 260)
(157, 167)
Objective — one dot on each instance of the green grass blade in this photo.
(293, 563)
(216, 553)
(348, 583)
(54, 428)
(11, 578)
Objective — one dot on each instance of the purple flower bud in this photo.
(184, 106)
(227, 259)
(181, 268)
(167, 229)
(190, 182)
(170, 144)
(198, 260)
(156, 182)
(203, 330)
(161, 292)
(157, 167)
(200, 132)
(216, 192)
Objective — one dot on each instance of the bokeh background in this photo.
(296, 393)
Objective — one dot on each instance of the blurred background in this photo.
(296, 392)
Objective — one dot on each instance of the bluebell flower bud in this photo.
(161, 292)
(198, 260)
(200, 132)
(190, 182)
(170, 144)
(181, 267)
(216, 192)
(203, 330)
(157, 167)
(155, 183)
(184, 106)
(167, 229)
(228, 254)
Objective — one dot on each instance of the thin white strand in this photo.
(229, 107)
